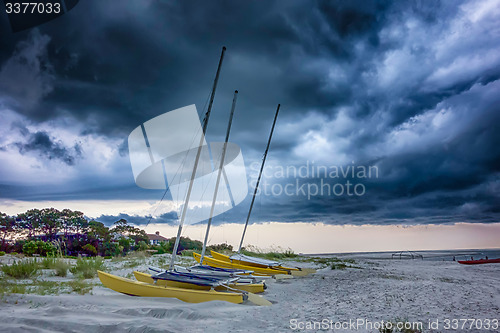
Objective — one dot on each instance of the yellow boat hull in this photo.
(224, 264)
(135, 288)
(293, 270)
(250, 287)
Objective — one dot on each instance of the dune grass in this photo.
(141, 255)
(188, 253)
(275, 253)
(79, 286)
(87, 268)
(9, 288)
(22, 269)
(45, 287)
(47, 263)
(30, 269)
(332, 262)
(60, 266)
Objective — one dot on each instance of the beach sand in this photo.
(394, 290)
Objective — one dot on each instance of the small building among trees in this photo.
(156, 238)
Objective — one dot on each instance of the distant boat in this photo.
(479, 261)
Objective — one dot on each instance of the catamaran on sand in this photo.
(200, 283)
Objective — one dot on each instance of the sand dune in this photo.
(413, 290)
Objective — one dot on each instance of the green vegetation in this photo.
(18, 289)
(39, 247)
(47, 231)
(90, 249)
(333, 262)
(142, 246)
(29, 248)
(162, 261)
(44, 287)
(222, 248)
(2, 253)
(187, 253)
(339, 266)
(141, 255)
(61, 268)
(50, 232)
(275, 254)
(47, 263)
(133, 259)
(22, 269)
(30, 268)
(79, 286)
(87, 268)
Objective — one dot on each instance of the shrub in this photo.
(125, 244)
(90, 249)
(46, 248)
(185, 243)
(87, 268)
(163, 248)
(21, 269)
(112, 249)
(61, 268)
(223, 247)
(2, 253)
(142, 246)
(30, 248)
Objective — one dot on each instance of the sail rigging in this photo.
(221, 168)
(258, 179)
(193, 174)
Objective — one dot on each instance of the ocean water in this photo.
(434, 255)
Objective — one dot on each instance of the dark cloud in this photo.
(408, 86)
(167, 218)
(44, 145)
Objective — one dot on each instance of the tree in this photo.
(7, 228)
(122, 228)
(73, 221)
(50, 222)
(29, 222)
(98, 234)
(186, 244)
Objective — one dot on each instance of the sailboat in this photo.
(245, 281)
(188, 286)
(242, 261)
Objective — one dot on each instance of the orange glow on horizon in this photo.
(322, 238)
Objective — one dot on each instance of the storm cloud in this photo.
(410, 87)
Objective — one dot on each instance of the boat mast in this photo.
(221, 167)
(258, 179)
(193, 174)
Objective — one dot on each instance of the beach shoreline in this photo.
(373, 290)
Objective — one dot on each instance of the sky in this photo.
(405, 94)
